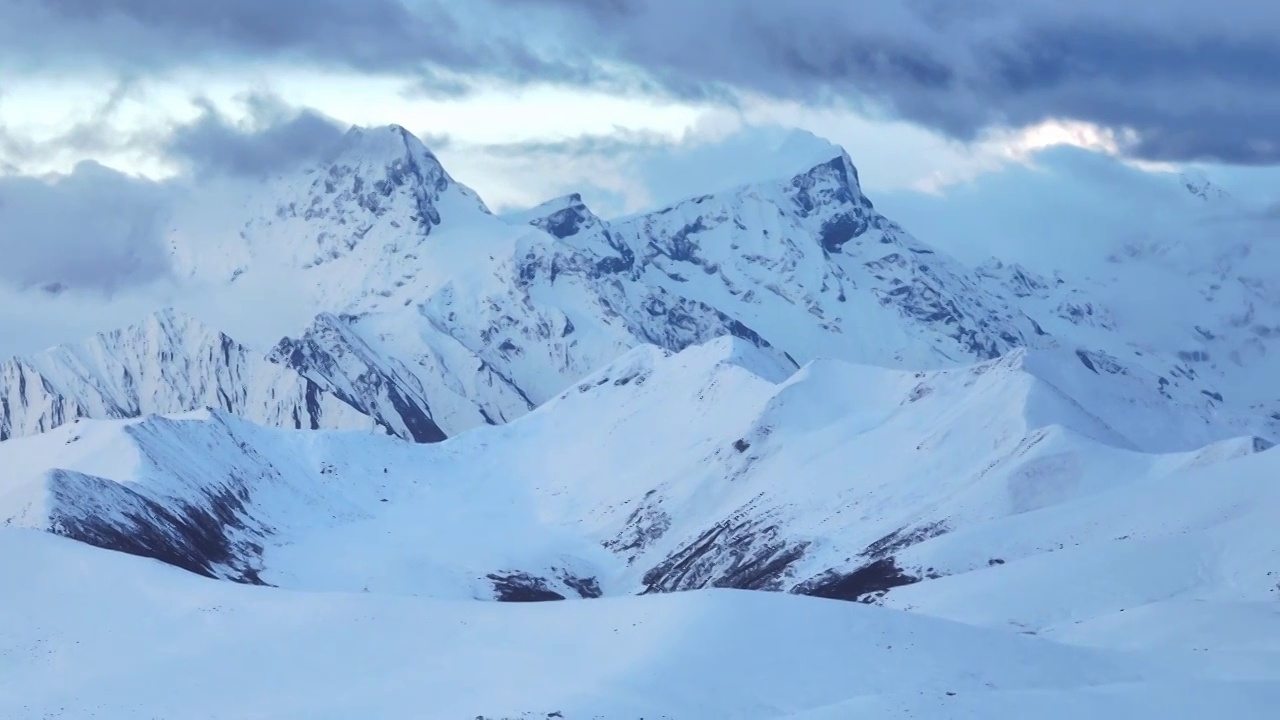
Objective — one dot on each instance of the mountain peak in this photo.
(393, 152)
(562, 217)
(810, 150)
(1197, 183)
(840, 167)
(382, 186)
(172, 316)
(800, 153)
(384, 143)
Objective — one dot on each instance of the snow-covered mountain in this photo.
(167, 363)
(807, 482)
(770, 388)
(433, 316)
(1166, 264)
(982, 495)
(436, 316)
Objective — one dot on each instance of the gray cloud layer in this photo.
(1196, 80)
(94, 229)
(409, 37)
(369, 34)
(99, 230)
(276, 138)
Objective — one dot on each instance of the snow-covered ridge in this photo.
(1198, 183)
(766, 481)
(167, 363)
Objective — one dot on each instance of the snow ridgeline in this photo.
(834, 481)
(169, 363)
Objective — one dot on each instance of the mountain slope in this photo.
(1167, 264)
(168, 363)
(1184, 548)
(981, 495)
(691, 655)
(814, 482)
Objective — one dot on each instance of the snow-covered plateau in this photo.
(759, 454)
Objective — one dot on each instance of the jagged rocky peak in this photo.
(387, 146)
(823, 186)
(562, 217)
(381, 193)
(380, 143)
(1198, 184)
(801, 152)
(569, 220)
(167, 362)
(164, 329)
(838, 176)
(373, 170)
(841, 169)
(806, 161)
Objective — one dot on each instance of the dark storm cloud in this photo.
(382, 36)
(93, 229)
(1192, 79)
(276, 138)
(369, 34)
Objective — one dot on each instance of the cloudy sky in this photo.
(104, 104)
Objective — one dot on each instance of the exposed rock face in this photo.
(169, 363)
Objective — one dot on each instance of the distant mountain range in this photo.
(434, 316)
(770, 388)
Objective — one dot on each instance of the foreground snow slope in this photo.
(110, 636)
(714, 467)
(1167, 560)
